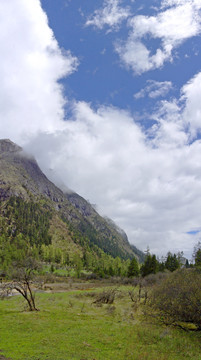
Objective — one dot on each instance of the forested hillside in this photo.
(52, 225)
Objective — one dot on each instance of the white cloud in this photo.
(111, 14)
(177, 23)
(150, 184)
(151, 188)
(169, 3)
(154, 89)
(170, 131)
(192, 114)
(31, 63)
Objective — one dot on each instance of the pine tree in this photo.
(198, 258)
(150, 266)
(133, 269)
(172, 262)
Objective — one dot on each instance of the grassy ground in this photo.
(70, 327)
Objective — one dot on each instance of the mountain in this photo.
(138, 253)
(32, 205)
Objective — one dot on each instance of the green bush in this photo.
(178, 297)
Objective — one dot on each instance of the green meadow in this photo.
(71, 326)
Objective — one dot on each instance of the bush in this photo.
(106, 297)
(178, 297)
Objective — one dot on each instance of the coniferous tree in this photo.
(198, 258)
(133, 269)
(150, 266)
(172, 262)
(197, 254)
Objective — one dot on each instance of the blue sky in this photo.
(101, 77)
(106, 95)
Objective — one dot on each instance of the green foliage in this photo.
(197, 255)
(198, 258)
(178, 297)
(85, 233)
(25, 227)
(150, 266)
(133, 269)
(93, 260)
(13, 250)
(77, 261)
(172, 262)
(27, 218)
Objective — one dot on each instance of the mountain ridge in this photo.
(21, 177)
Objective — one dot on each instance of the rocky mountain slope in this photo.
(72, 220)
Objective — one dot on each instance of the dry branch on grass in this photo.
(106, 297)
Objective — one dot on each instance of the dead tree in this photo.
(22, 276)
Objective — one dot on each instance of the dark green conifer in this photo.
(133, 269)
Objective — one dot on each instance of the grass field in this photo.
(70, 327)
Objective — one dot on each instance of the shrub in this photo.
(106, 297)
(178, 297)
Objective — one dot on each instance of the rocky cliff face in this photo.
(20, 176)
(8, 147)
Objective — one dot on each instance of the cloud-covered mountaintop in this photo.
(21, 179)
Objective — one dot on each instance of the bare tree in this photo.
(22, 275)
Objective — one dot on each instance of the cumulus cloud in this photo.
(154, 89)
(148, 182)
(179, 21)
(31, 64)
(192, 114)
(111, 14)
(169, 3)
(150, 187)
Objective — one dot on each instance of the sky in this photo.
(106, 95)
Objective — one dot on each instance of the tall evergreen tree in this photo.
(197, 254)
(198, 258)
(133, 269)
(172, 262)
(150, 266)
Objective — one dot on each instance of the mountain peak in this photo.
(21, 179)
(7, 146)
